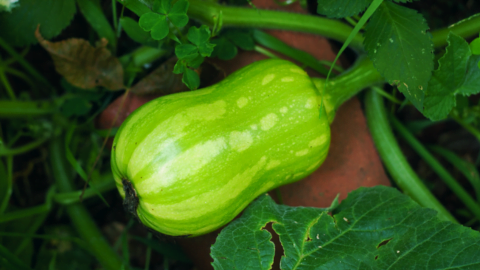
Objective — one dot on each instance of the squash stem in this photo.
(341, 88)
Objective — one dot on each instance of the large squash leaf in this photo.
(374, 228)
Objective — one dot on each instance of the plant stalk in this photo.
(81, 219)
(205, 12)
(341, 88)
(19, 109)
(394, 160)
(448, 179)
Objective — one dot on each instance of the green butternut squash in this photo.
(193, 161)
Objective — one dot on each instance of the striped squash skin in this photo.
(197, 159)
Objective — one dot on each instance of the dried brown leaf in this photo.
(161, 81)
(83, 65)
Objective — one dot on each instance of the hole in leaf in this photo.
(279, 252)
(376, 257)
(384, 242)
(308, 239)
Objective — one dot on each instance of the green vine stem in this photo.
(448, 179)
(206, 11)
(18, 109)
(401, 172)
(81, 219)
(475, 132)
(465, 28)
(22, 149)
(40, 209)
(24, 63)
(10, 261)
(105, 185)
(341, 88)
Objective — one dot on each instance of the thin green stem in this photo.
(24, 63)
(475, 132)
(265, 52)
(386, 95)
(22, 149)
(114, 15)
(350, 21)
(466, 168)
(447, 178)
(15, 109)
(10, 261)
(149, 252)
(81, 219)
(394, 160)
(269, 19)
(67, 198)
(6, 85)
(9, 180)
(44, 208)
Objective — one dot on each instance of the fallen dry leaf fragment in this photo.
(83, 65)
(161, 81)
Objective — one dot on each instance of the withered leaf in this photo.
(161, 81)
(83, 65)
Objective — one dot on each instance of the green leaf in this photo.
(162, 6)
(400, 48)
(471, 84)
(136, 33)
(341, 8)
(93, 13)
(475, 46)
(186, 52)
(178, 13)
(224, 49)
(191, 79)
(373, 228)
(442, 87)
(196, 62)
(179, 67)
(156, 23)
(200, 37)
(18, 27)
(75, 107)
(241, 38)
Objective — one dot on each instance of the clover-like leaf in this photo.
(135, 32)
(373, 228)
(196, 62)
(200, 37)
(162, 6)
(179, 67)
(178, 13)
(224, 49)
(156, 23)
(241, 38)
(191, 79)
(186, 51)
